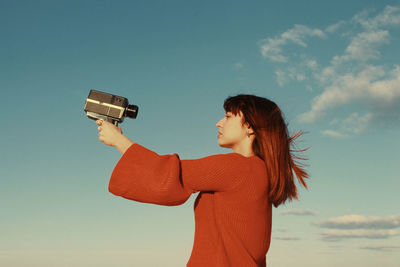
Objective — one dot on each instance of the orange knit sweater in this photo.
(232, 211)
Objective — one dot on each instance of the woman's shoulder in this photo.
(239, 163)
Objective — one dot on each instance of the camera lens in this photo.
(132, 111)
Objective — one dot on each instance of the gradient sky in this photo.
(332, 66)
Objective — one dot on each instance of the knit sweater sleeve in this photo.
(143, 175)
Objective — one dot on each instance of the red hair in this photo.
(272, 143)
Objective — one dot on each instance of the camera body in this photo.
(108, 107)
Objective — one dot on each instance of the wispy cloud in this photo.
(381, 247)
(358, 221)
(271, 48)
(388, 17)
(281, 77)
(354, 124)
(287, 238)
(333, 134)
(337, 235)
(334, 27)
(371, 85)
(357, 226)
(363, 47)
(350, 78)
(297, 212)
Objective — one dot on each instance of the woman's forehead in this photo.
(239, 113)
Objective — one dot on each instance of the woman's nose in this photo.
(219, 124)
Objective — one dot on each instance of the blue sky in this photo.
(333, 68)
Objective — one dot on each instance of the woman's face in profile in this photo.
(231, 131)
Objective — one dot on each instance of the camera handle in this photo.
(95, 116)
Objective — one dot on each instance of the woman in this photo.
(233, 210)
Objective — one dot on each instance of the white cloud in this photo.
(387, 91)
(334, 27)
(297, 212)
(363, 47)
(271, 48)
(312, 64)
(381, 247)
(333, 134)
(357, 226)
(390, 16)
(281, 78)
(370, 86)
(354, 124)
(287, 238)
(337, 235)
(367, 84)
(293, 73)
(299, 76)
(358, 221)
(344, 89)
(282, 229)
(371, 91)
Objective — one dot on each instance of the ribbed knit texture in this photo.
(232, 211)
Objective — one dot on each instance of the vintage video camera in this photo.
(108, 107)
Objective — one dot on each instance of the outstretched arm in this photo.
(145, 176)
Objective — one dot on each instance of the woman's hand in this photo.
(111, 135)
(108, 132)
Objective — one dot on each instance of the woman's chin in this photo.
(222, 144)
